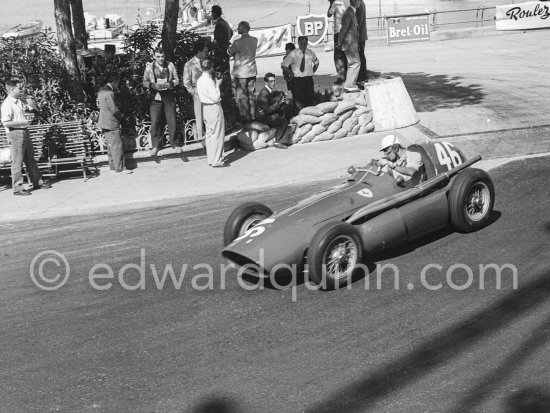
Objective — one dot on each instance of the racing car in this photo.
(329, 233)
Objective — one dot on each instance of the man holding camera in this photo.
(271, 105)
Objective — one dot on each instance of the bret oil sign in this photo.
(408, 28)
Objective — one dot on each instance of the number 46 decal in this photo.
(447, 155)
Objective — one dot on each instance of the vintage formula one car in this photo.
(333, 230)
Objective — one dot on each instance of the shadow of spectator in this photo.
(235, 155)
(433, 92)
(529, 400)
(216, 403)
(440, 348)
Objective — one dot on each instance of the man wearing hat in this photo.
(398, 161)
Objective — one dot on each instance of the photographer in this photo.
(272, 105)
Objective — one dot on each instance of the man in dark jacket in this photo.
(360, 13)
(222, 37)
(109, 122)
(271, 106)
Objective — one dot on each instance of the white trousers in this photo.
(215, 132)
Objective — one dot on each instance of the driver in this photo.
(398, 161)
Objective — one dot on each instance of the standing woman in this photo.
(208, 89)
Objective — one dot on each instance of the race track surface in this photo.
(232, 348)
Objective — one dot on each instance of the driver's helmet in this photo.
(387, 141)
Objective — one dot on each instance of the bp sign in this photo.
(314, 26)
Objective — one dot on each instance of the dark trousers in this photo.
(115, 150)
(158, 108)
(245, 90)
(302, 92)
(22, 151)
(340, 61)
(275, 121)
(363, 70)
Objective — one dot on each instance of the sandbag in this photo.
(342, 133)
(318, 129)
(5, 155)
(258, 126)
(362, 109)
(355, 130)
(370, 127)
(267, 135)
(345, 116)
(350, 123)
(312, 111)
(259, 144)
(327, 119)
(303, 119)
(325, 136)
(365, 118)
(305, 129)
(308, 137)
(327, 107)
(335, 127)
(344, 106)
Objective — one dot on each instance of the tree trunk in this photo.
(171, 10)
(67, 49)
(79, 24)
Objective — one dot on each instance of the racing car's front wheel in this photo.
(471, 200)
(333, 254)
(244, 217)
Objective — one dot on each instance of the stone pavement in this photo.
(488, 95)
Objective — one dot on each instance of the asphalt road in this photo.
(229, 348)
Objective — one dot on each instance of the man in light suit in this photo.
(348, 41)
(191, 73)
(244, 72)
(109, 122)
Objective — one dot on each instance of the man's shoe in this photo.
(219, 165)
(279, 145)
(21, 192)
(177, 149)
(125, 171)
(44, 185)
(154, 152)
(351, 89)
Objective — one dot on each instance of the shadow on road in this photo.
(443, 347)
(529, 400)
(433, 92)
(215, 403)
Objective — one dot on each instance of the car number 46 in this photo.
(447, 156)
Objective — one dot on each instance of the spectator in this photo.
(289, 47)
(337, 9)
(191, 73)
(243, 50)
(160, 77)
(360, 13)
(210, 96)
(271, 108)
(109, 122)
(16, 123)
(300, 65)
(222, 38)
(190, 15)
(347, 41)
(398, 161)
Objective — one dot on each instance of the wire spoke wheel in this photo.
(477, 202)
(340, 257)
(251, 222)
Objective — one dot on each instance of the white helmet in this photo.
(387, 141)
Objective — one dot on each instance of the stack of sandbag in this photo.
(257, 135)
(332, 120)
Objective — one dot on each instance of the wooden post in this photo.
(391, 104)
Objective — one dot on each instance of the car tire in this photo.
(243, 218)
(343, 242)
(471, 200)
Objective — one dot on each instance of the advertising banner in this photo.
(408, 28)
(271, 40)
(520, 16)
(314, 26)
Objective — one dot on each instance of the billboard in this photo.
(520, 16)
(271, 40)
(408, 28)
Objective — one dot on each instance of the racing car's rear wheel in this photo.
(333, 254)
(244, 217)
(471, 200)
